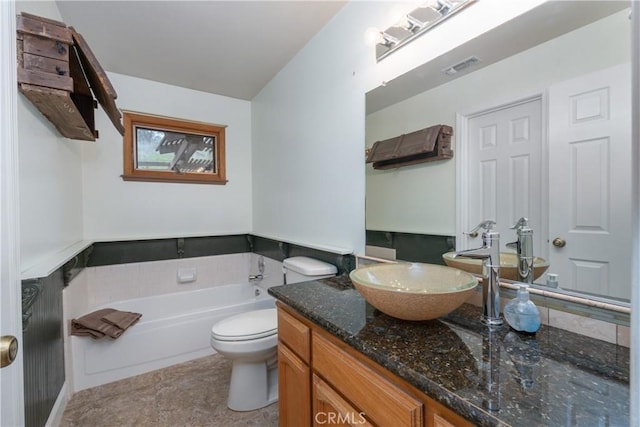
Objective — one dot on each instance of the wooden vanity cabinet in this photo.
(324, 382)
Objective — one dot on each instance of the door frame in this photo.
(11, 391)
(635, 214)
(462, 159)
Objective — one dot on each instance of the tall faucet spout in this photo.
(489, 253)
(524, 250)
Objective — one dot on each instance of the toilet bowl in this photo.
(250, 340)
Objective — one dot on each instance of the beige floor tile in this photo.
(191, 394)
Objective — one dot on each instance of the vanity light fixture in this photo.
(414, 24)
(389, 39)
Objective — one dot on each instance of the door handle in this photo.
(8, 350)
(559, 243)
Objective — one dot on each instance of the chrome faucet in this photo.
(489, 253)
(524, 250)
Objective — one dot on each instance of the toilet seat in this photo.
(247, 326)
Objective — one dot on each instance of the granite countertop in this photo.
(491, 377)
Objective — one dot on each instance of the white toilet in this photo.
(250, 340)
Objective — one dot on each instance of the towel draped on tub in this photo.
(107, 321)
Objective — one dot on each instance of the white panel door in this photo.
(11, 389)
(504, 171)
(590, 182)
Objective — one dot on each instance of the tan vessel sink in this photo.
(508, 265)
(413, 291)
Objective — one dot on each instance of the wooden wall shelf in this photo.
(424, 145)
(59, 74)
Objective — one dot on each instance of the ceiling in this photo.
(543, 23)
(231, 48)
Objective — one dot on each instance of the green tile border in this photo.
(124, 252)
(414, 247)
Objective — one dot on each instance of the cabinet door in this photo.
(382, 402)
(329, 408)
(294, 389)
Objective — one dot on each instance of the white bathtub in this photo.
(174, 328)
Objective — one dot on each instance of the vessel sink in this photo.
(413, 291)
(508, 265)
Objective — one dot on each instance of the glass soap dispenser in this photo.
(521, 313)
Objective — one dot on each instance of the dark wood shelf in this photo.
(59, 74)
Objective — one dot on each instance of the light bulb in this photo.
(373, 36)
(404, 22)
(429, 3)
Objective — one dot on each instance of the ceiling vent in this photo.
(455, 69)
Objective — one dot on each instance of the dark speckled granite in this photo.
(491, 377)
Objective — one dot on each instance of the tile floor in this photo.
(190, 394)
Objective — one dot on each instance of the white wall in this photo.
(300, 176)
(308, 122)
(421, 198)
(50, 179)
(307, 125)
(115, 209)
(71, 190)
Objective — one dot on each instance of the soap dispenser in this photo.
(521, 313)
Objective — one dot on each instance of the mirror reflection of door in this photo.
(504, 148)
(589, 176)
(590, 182)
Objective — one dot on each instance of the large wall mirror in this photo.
(542, 129)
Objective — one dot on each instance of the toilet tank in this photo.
(302, 269)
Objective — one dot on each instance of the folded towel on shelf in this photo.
(107, 321)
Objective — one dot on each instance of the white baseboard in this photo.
(55, 417)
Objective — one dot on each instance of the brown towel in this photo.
(121, 319)
(94, 325)
(80, 331)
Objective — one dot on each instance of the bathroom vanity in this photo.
(342, 362)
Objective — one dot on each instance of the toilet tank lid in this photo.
(309, 266)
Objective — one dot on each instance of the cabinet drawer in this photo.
(330, 408)
(443, 416)
(294, 334)
(438, 421)
(381, 401)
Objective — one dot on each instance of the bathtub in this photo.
(174, 328)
